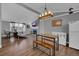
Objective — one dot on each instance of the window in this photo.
(17, 26)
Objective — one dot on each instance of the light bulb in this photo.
(49, 12)
(45, 13)
(52, 13)
(42, 14)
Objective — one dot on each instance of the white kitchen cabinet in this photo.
(74, 35)
(62, 37)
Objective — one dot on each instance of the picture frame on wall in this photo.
(57, 23)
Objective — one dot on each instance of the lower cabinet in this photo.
(62, 37)
(74, 40)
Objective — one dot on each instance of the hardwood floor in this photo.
(23, 47)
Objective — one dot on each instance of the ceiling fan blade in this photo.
(29, 8)
(71, 11)
(76, 11)
(60, 13)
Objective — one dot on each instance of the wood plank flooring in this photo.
(23, 47)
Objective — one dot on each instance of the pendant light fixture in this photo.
(46, 13)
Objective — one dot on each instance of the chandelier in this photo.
(46, 14)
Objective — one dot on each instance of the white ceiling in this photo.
(14, 12)
(56, 7)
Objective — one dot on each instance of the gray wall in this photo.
(46, 26)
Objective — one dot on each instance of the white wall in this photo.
(5, 26)
(0, 28)
(14, 12)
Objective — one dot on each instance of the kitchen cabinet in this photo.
(74, 35)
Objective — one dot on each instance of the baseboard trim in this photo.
(69, 47)
(74, 48)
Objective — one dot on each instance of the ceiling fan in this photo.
(70, 10)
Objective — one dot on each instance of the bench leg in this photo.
(54, 52)
(51, 52)
(36, 45)
(33, 45)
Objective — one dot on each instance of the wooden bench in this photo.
(46, 44)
